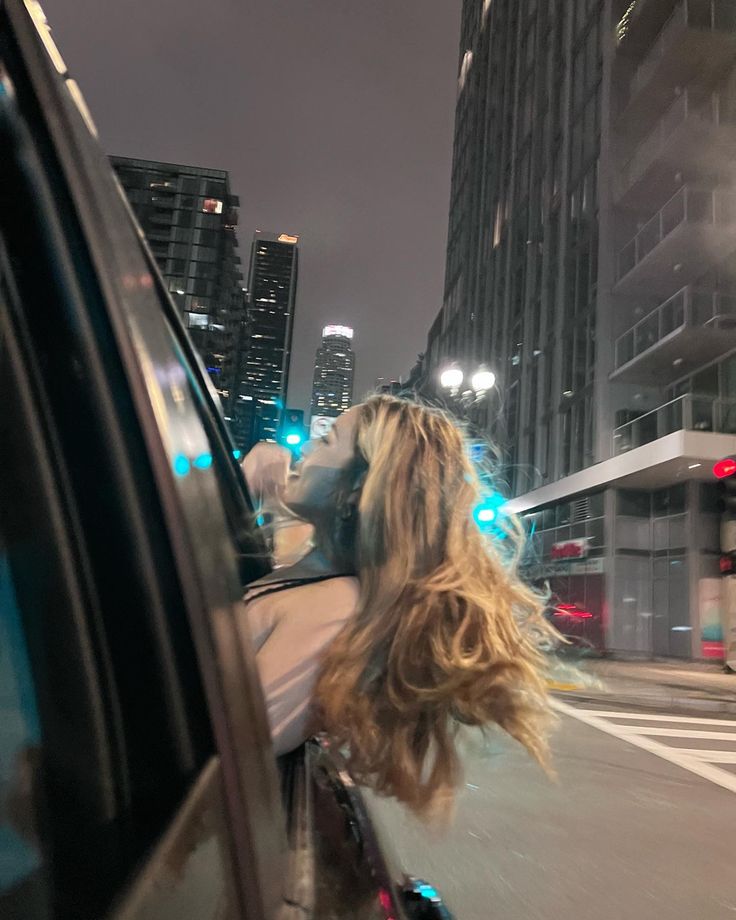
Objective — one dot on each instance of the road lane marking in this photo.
(673, 755)
(604, 714)
(679, 732)
(712, 756)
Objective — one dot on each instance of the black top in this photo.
(294, 583)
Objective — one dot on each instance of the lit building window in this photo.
(198, 320)
(212, 206)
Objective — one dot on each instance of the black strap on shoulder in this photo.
(293, 583)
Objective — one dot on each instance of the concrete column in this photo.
(609, 562)
(694, 530)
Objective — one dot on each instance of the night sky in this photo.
(334, 119)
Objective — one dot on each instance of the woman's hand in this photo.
(266, 468)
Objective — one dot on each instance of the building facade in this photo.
(334, 372)
(592, 266)
(189, 216)
(266, 338)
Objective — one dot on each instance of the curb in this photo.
(671, 702)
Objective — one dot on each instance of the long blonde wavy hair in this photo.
(441, 635)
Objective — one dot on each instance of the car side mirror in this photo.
(421, 901)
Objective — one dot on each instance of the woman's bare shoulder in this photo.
(302, 612)
(328, 598)
(345, 585)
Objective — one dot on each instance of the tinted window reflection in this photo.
(20, 746)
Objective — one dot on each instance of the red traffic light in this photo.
(724, 468)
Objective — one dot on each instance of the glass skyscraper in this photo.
(334, 370)
(264, 369)
(189, 215)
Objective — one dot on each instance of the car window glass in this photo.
(250, 551)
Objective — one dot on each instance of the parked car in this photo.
(137, 778)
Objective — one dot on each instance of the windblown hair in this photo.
(441, 636)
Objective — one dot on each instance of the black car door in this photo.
(137, 777)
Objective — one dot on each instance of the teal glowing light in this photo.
(181, 465)
(477, 451)
(293, 439)
(203, 461)
(487, 512)
(428, 891)
(237, 454)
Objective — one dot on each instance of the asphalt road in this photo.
(624, 834)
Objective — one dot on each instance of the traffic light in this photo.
(488, 513)
(291, 429)
(725, 471)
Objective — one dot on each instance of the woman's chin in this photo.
(290, 499)
(297, 507)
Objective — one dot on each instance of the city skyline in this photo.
(242, 333)
(334, 120)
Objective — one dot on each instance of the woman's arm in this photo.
(266, 468)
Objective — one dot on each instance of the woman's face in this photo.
(312, 486)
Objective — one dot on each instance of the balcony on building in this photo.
(694, 230)
(690, 412)
(698, 40)
(687, 330)
(696, 133)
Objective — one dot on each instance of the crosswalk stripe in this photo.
(679, 732)
(676, 756)
(711, 756)
(656, 717)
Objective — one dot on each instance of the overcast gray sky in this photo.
(334, 118)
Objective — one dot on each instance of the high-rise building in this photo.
(591, 266)
(264, 371)
(188, 215)
(334, 370)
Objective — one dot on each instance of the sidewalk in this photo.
(680, 686)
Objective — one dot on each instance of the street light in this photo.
(483, 380)
(451, 378)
